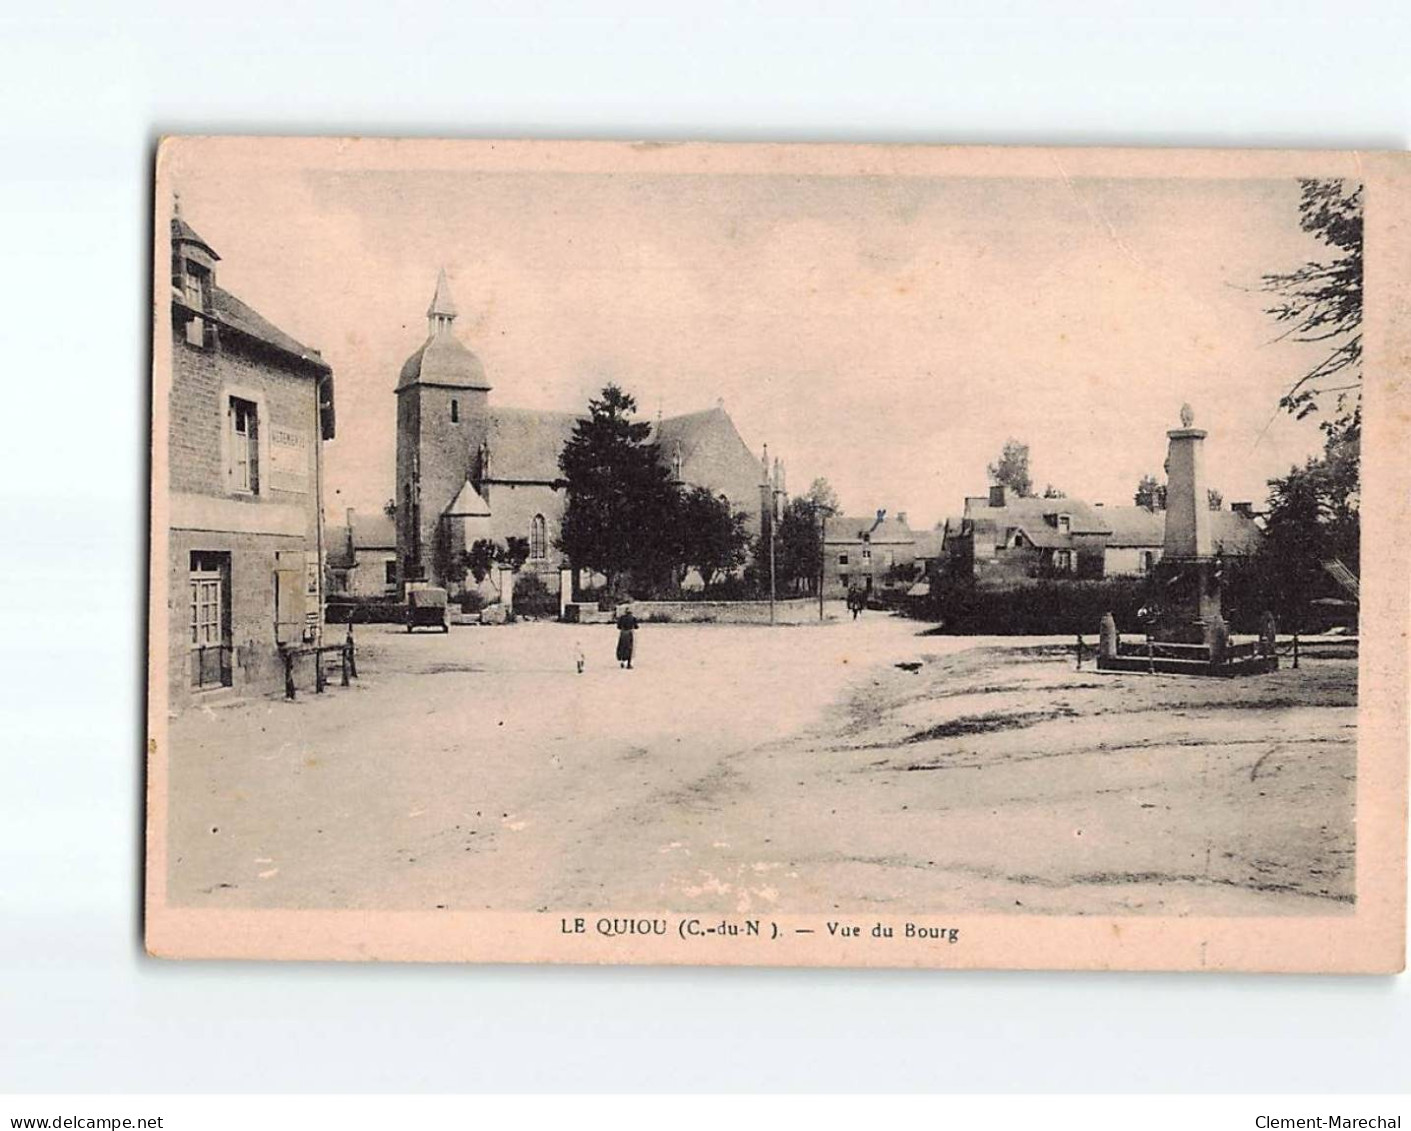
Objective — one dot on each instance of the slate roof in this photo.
(443, 360)
(928, 543)
(230, 311)
(1234, 533)
(182, 232)
(992, 524)
(1135, 526)
(851, 528)
(468, 504)
(374, 532)
(525, 444)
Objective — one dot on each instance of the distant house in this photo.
(362, 556)
(1002, 538)
(868, 553)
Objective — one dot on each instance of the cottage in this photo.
(248, 410)
(362, 556)
(1002, 538)
(873, 554)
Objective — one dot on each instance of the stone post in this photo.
(1107, 638)
(565, 592)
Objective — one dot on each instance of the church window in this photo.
(538, 538)
(455, 411)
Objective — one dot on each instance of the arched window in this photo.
(538, 538)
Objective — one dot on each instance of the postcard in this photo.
(807, 555)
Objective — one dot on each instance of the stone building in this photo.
(468, 469)
(362, 555)
(872, 554)
(1002, 538)
(248, 410)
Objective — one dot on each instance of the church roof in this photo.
(443, 360)
(442, 302)
(713, 454)
(525, 443)
(468, 504)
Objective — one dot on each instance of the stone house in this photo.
(248, 411)
(362, 556)
(873, 554)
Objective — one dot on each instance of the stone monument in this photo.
(1187, 585)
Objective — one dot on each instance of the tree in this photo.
(389, 508)
(513, 554)
(1322, 301)
(1214, 498)
(1012, 470)
(622, 505)
(480, 557)
(821, 494)
(797, 552)
(1151, 493)
(712, 537)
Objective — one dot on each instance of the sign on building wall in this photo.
(288, 459)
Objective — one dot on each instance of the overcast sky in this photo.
(888, 334)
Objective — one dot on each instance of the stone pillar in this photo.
(1107, 638)
(507, 590)
(1189, 594)
(565, 592)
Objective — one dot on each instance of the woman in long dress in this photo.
(626, 629)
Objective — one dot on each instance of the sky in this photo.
(886, 333)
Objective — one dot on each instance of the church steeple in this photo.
(442, 311)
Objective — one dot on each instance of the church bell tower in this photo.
(443, 422)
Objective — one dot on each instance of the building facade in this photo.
(871, 554)
(248, 410)
(362, 556)
(468, 469)
(1001, 538)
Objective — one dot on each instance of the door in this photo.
(210, 620)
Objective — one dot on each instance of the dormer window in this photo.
(193, 292)
(1065, 524)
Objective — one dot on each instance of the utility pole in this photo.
(823, 513)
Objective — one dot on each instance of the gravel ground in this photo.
(848, 766)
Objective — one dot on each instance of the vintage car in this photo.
(426, 608)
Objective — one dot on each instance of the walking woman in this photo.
(626, 631)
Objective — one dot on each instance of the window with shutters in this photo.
(243, 422)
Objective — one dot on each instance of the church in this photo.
(467, 470)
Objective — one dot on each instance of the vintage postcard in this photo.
(779, 555)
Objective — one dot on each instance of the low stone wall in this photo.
(794, 611)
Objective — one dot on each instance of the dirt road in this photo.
(739, 768)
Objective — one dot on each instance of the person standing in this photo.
(626, 632)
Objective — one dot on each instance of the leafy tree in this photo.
(389, 508)
(1151, 493)
(821, 494)
(1012, 470)
(513, 554)
(712, 536)
(480, 557)
(797, 553)
(1314, 509)
(1322, 300)
(622, 506)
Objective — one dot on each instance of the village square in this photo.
(603, 656)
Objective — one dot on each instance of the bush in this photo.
(533, 598)
(364, 610)
(471, 600)
(1038, 608)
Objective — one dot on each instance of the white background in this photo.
(84, 90)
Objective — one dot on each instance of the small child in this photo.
(581, 659)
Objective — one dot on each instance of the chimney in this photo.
(997, 496)
(901, 517)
